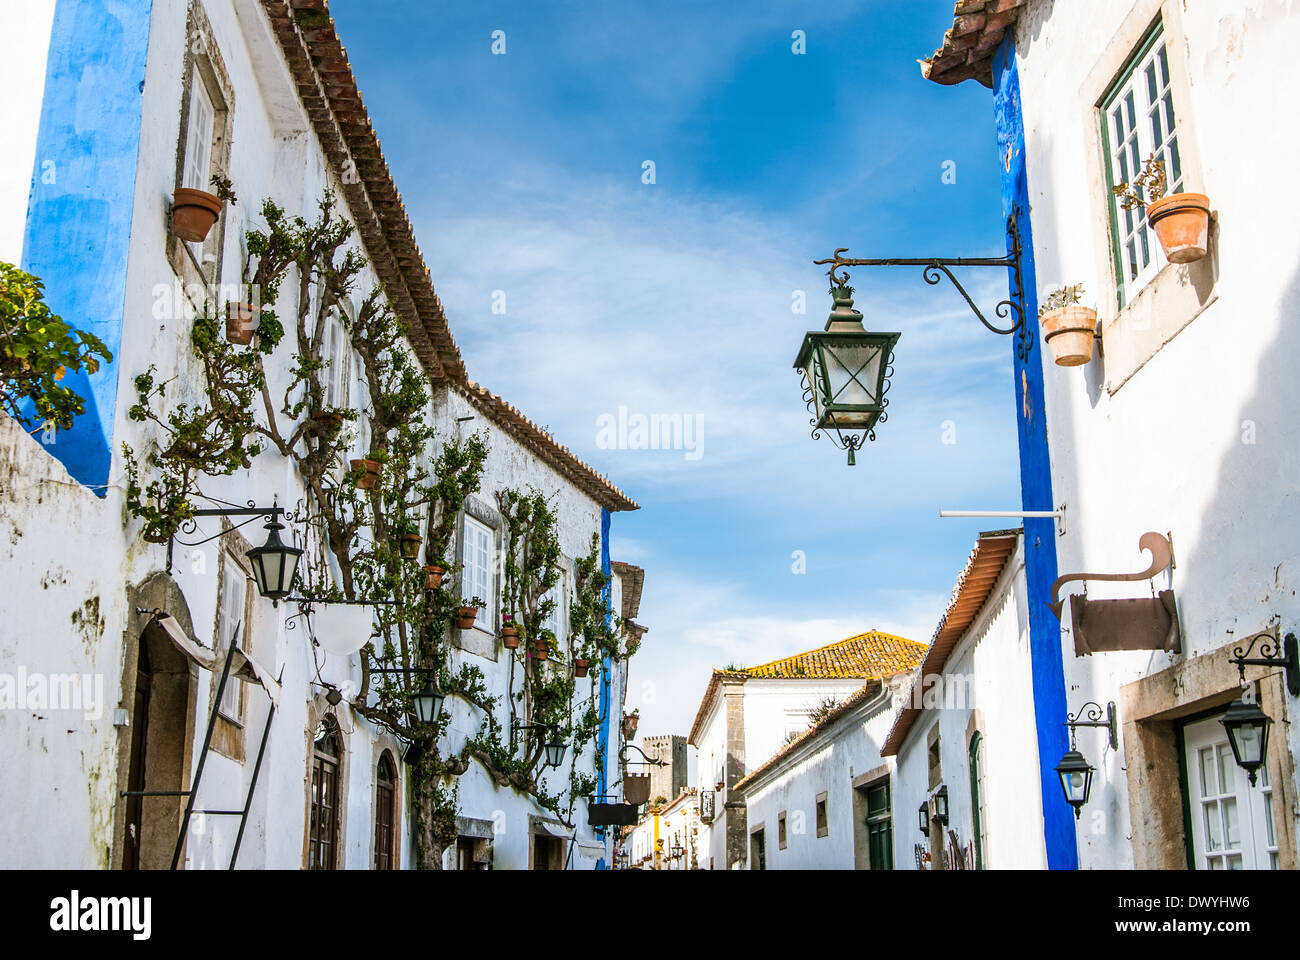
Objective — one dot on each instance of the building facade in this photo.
(749, 714)
(132, 102)
(1083, 96)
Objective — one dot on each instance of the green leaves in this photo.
(37, 349)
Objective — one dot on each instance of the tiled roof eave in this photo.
(978, 27)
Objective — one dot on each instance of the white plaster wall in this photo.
(847, 749)
(775, 706)
(710, 764)
(65, 548)
(1169, 451)
(24, 50)
(989, 672)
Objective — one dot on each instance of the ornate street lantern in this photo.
(845, 371)
(274, 563)
(428, 704)
(1076, 779)
(555, 748)
(1247, 726)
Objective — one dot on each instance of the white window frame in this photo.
(479, 574)
(200, 134)
(1213, 805)
(232, 611)
(1134, 126)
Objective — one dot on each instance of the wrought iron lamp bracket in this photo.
(1094, 714)
(1273, 652)
(935, 268)
(251, 511)
(647, 762)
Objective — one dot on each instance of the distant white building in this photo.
(749, 714)
(824, 802)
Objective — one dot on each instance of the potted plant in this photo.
(368, 468)
(433, 574)
(241, 322)
(409, 545)
(542, 645)
(1068, 328)
(194, 212)
(330, 422)
(580, 666)
(509, 633)
(1181, 220)
(630, 720)
(468, 613)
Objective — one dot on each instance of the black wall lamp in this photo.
(941, 805)
(1246, 723)
(1074, 770)
(923, 816)
(846, 368)
(553, 745)
(275, 563)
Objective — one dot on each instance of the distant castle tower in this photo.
(670, 779)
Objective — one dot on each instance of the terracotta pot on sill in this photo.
(241, 322)
(580, 667)
(194, 212)
(467, 617)
(433, 575)
(1070, 332)
(510, 638)
(371, 468)
(1182, 222)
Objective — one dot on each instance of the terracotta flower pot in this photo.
(193, 213)
(467, 617)
(541, 650)
(328, 422)
(433, 575)
(580, 667)
(1070, 331)
(241, 322)
(510, 638)
(371, 468)
(1182, 222)
(629, 727)
(409, 545)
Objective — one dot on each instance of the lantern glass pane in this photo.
(851, 377)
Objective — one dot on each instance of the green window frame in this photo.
(1137, 119)
(880, 826)
(977, 795)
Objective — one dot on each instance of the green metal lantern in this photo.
(846, 372)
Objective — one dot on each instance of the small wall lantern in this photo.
(923, 816)
(428, 704)
(941, 805)
(1074, 770)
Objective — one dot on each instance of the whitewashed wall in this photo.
(1201, 441)
(827, 763)
(987, 674)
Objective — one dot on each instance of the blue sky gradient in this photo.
(522, 173)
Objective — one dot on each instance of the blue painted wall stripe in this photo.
(1047, 668)
(83, 193)
(607, 668)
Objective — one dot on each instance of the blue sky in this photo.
(523, 173)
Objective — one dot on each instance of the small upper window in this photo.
(1138, 121)
(200, 133)
(480, 569)
(232, 628)
(823, 826)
